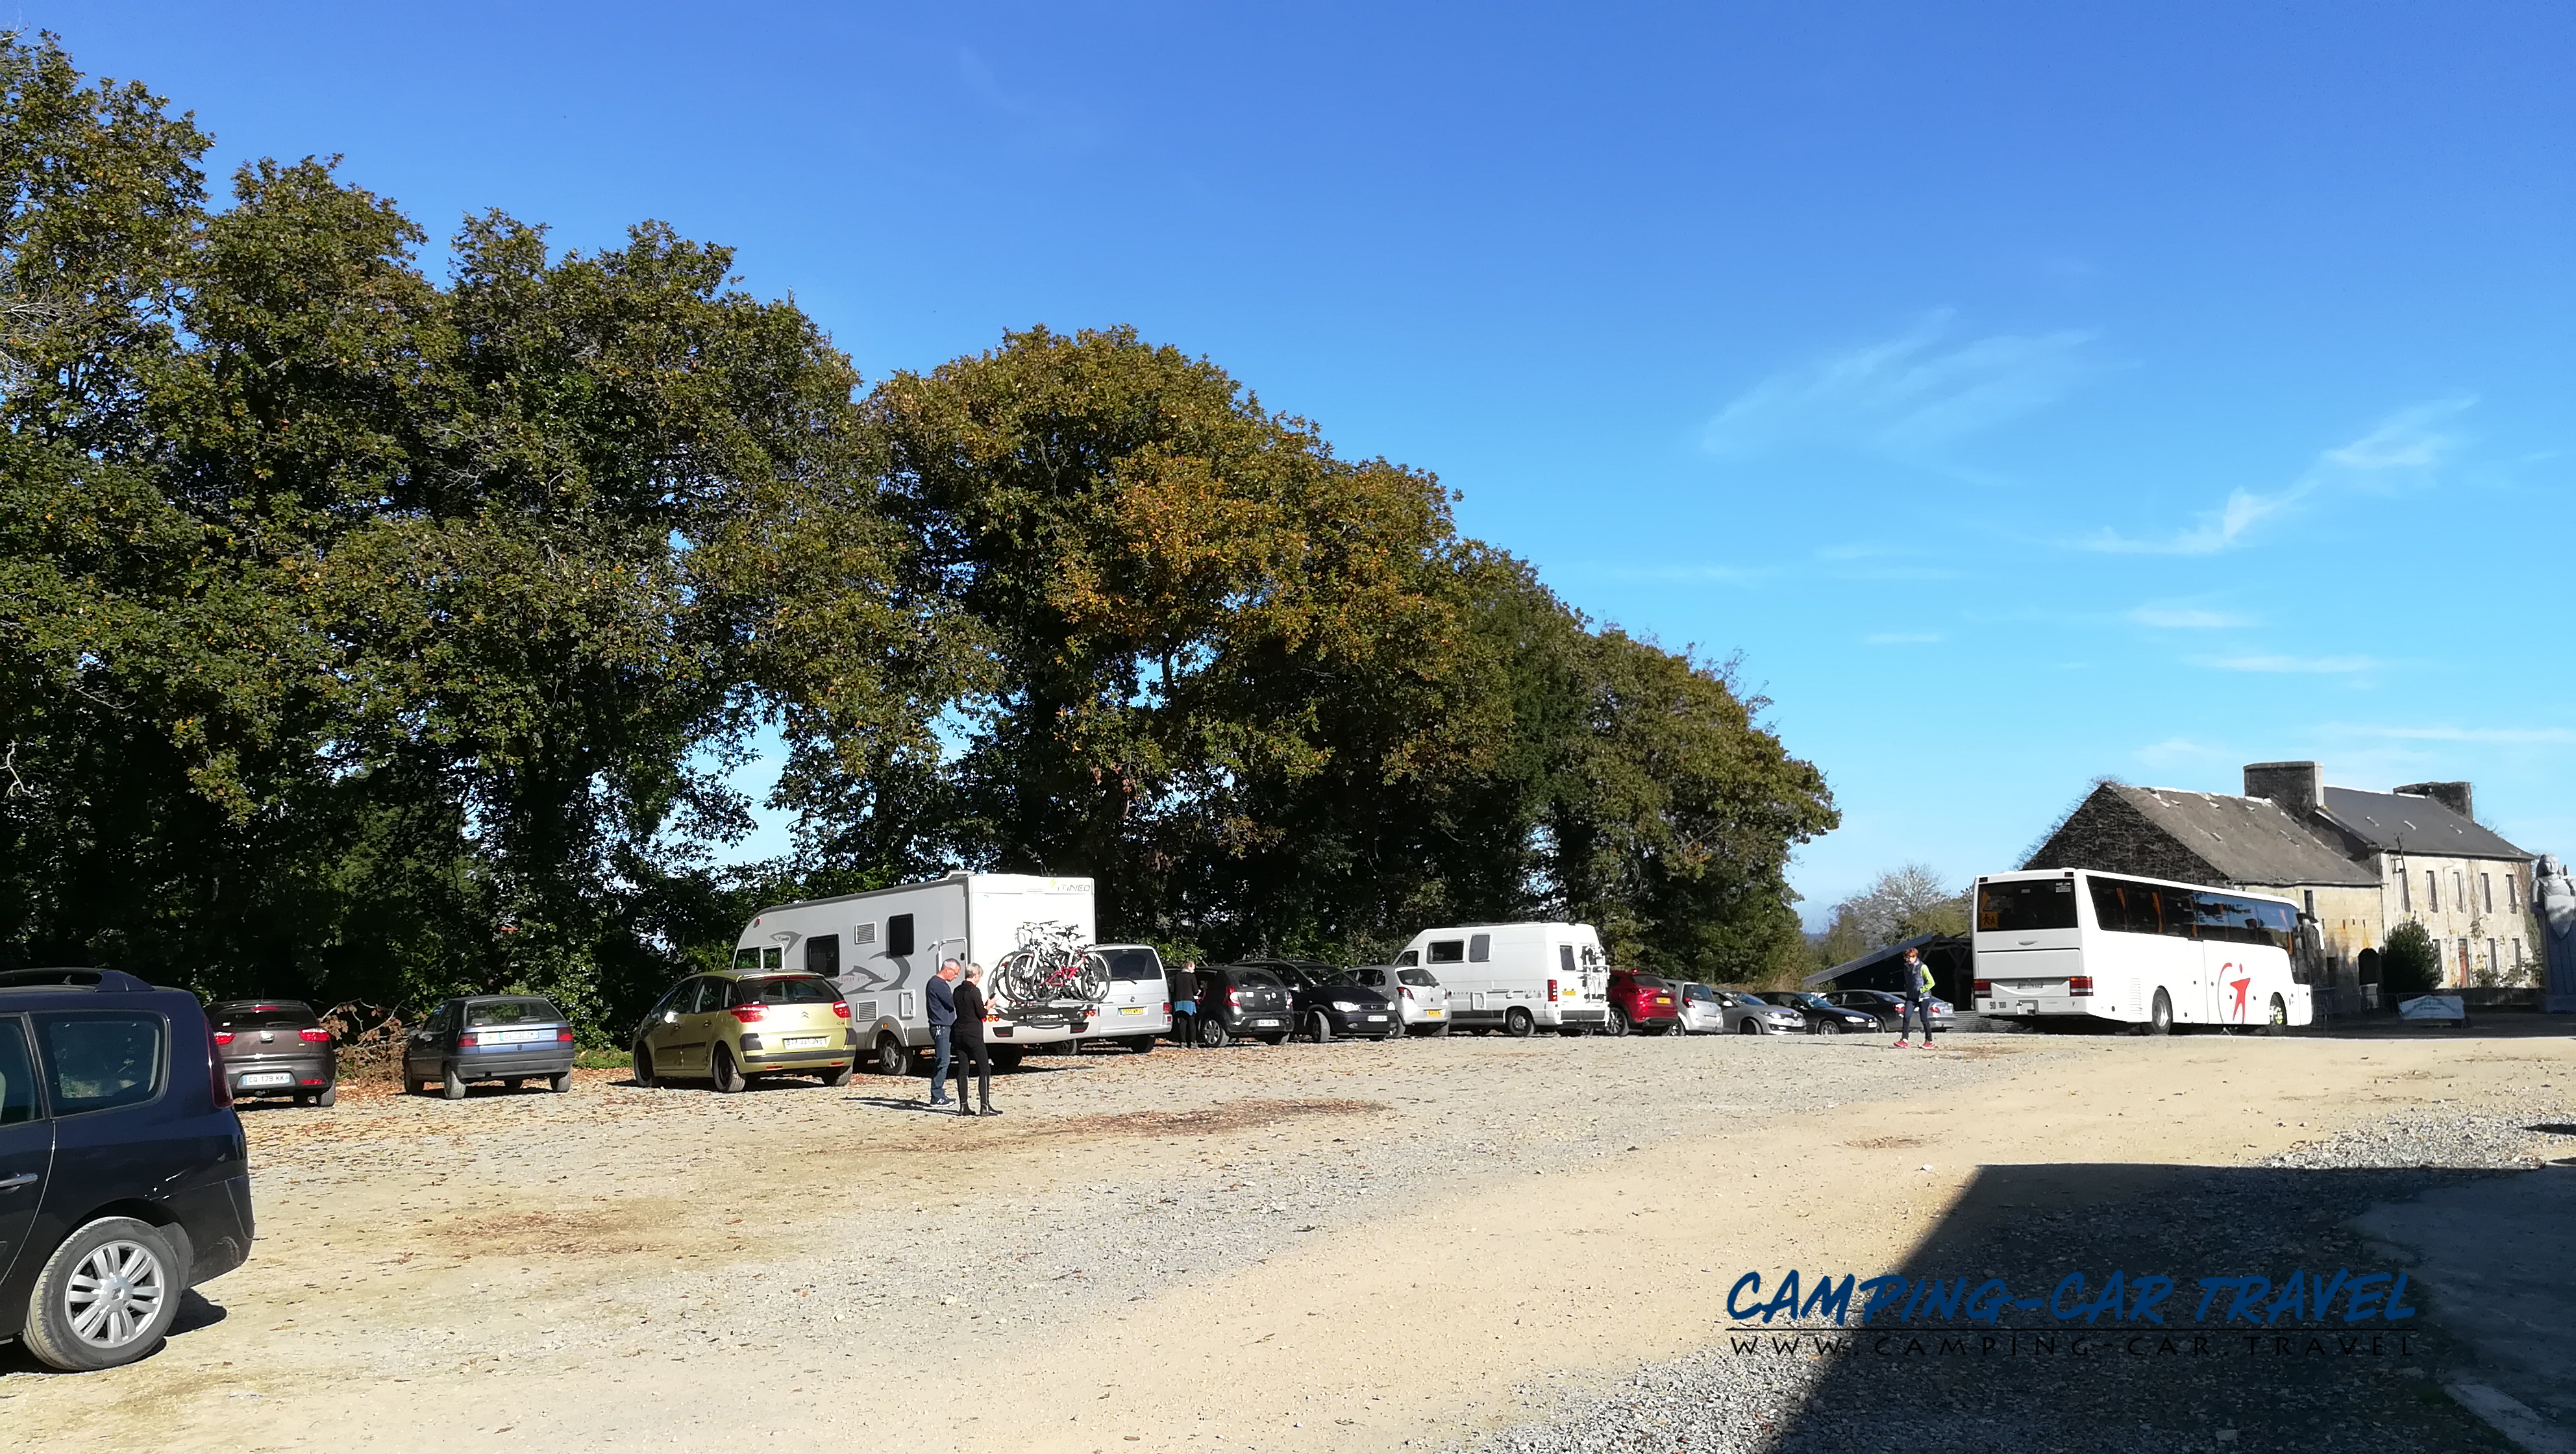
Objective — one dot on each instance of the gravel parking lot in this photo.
(1471, 1243)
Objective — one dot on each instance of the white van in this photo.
(1518, 977)
(1137, 1008)
(882, 947)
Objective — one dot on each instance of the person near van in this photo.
(1917, 1001)
(1184, 988)
(943, 1028)
(969, 1036)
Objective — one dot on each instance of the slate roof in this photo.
(2403, 823)
(2249, 840)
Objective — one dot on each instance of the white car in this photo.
(1418, 996)
(1702, 1012)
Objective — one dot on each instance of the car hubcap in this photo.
(115, 1294)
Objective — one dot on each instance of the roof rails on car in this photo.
(114, 981)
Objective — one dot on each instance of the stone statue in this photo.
(2553, 903)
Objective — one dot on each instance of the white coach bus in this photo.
(2060, 942)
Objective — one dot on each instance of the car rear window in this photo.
(268, 1019)
(1132, 964)
(1418, 978)
(510, 1012)
(97, 1062)
(1259, 977)
(791, 990)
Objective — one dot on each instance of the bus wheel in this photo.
(2160, 1019)
(2279, 1020)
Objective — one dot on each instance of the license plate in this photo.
(799, 1042)
(1377, 1017)
(1265, 1022)
(511, 1037)
(1433, 1014)
(268, 1077)
(1131, 1009)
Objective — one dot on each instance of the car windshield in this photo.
(1418, 978)
(510, 1012)
(1813, 1002)
(1131, 963)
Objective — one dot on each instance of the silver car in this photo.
(1421, 999)
(1746, 1013)
(1702, 1014)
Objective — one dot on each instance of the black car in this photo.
(1329, 1001)
(1886, 1006)
(509, 1038)
(1237, 1001)
(275, 1048)
(123, 1178)
(1822, 1015)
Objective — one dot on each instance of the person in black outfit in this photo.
(968, 1037)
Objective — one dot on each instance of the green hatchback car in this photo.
(733, 1024)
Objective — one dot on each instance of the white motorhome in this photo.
(882, 948)
(1518, 977)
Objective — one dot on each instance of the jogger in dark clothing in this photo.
(968, 1038)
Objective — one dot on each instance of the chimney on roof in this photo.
(2295, 786)
(2454, 796)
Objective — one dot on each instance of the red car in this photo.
(1643, 1002)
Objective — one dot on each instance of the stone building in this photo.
(2360, 863)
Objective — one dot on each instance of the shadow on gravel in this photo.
(2276, 1377)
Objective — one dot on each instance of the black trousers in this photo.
(975, 1055)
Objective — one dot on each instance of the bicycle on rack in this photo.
(1051, 966)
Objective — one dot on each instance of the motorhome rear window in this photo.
(1448, 951)
(1418, 978)
(2019, 908)
(746, 959)
(509, 1012)
(1132, 964)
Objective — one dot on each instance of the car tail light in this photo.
(749, 1014)
(1405, 990)
(1982, 987)
(1167, 1009)
(216, 1080)
(841, 1008)
(468, 1040)
(1234, 998)
(1551, 992)
(312, 1082)
(314, 1037)
(564, 1036)
(2081, 984)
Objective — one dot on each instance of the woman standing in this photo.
(968, 1040)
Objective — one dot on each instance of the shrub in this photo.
(2409, 963)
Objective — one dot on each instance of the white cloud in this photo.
(1907, 396)
(2322, 665)
(1902, 638)
(2407, 449)
(2186, 618)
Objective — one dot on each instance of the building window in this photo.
(2432, 893)
(2495, 961)
(2517, 954)
(2508, 890)
(2460, 890)
(2405, 893)
(2309, 898)
(2486, 890)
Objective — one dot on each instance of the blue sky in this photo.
(2027, 392)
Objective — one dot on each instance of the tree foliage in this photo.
(370, 633)
(2410, 963)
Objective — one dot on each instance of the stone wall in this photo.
(2475, 909)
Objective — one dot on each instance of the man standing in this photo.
(1918, 998)
(970, 1042)
(1183, 987)
(943, 1028)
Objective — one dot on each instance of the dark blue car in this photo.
(123, 1178)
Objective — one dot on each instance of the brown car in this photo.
(275, 1048)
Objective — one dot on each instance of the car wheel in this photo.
(720, 1069)
(1320, 1025)
(105, 1297)
(328, 1098)
(1618, 1021)
(2160, 1018)
(837, 1076)
(1007, 1057)
(1140, 1044)
(1212, 1033)
(560, 1081)
(449, 1086)
(1748, 1027)
(891, 1057)
(1440, 1032)
(2278, 1022)
(1518, 1023)
(643, 1067)
(1829, 1027)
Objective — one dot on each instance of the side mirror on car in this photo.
(670, 1017)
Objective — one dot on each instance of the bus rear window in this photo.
(2018, 908)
